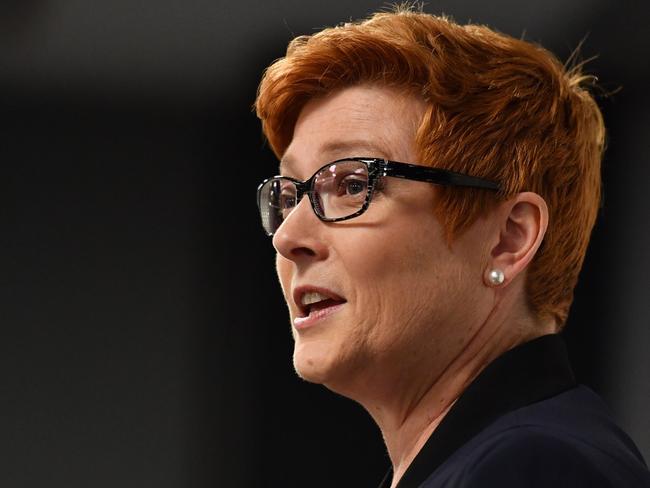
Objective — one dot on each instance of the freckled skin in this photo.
(407, 314)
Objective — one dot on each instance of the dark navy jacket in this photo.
(525, 423)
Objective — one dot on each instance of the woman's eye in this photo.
(287, 201)
(353, 186)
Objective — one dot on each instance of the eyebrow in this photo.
(350, 148)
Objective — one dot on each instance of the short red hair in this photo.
(498, 108)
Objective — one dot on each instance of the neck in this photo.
(407, 422)
(409, 405)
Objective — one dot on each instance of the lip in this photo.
(301, 323)
(304, 320)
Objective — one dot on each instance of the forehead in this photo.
(356, 121)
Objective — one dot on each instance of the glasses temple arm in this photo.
(436, 175)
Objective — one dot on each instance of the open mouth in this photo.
(321, 305)
(314, 304)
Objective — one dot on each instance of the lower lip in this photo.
(315, 316)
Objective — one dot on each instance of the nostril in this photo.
(303, 251)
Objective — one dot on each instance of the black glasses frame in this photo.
(378, 168)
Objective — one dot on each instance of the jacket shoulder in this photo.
(538, 456)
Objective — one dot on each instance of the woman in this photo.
(452, 177)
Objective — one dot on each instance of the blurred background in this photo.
(144, 338)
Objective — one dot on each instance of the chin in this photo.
(325, 364)
(311, 364)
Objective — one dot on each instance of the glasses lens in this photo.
(340, 189)
(277, 197)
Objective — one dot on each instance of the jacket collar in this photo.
(526, 374)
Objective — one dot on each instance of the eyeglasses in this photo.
(343, 189)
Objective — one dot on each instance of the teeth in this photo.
(312, 297)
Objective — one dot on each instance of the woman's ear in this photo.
(522, 224)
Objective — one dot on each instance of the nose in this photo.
(300, 236)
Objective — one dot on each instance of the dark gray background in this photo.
(145, 343)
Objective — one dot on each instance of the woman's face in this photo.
(403, 298)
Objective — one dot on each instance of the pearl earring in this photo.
(496, 277)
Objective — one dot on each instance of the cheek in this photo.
(390, 278)
(411, 251)
(407, 277)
